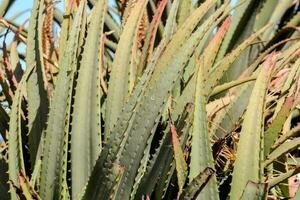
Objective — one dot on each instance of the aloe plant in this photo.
(150, 99)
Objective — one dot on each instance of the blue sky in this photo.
(20, 6)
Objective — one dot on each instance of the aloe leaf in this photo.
(247, 166)
(284, 176)
(180, 163)
(295, 70)
(156, 94)
(15, 60)
(211, 51)
(155, 24)
(160, 171)
(171, 24)
(143, 166)
(154, 167)
(213, 48)
(127, 114)
(292, 133)
(86, 135)
(254, 191)
(15, 149)
(184, 11)
(35, 174)
(151, 36)
(244, 19)
(118, 68)
(282, 149)
(272, 133)
(226, 119)
(195, 187)
(209, 58)
(36, 92)
(128, 8)
(226, 86)
(277, 13)
(64, 186)
(119, 173)
(15, 144)
(201, 153)
(27, 189)
(264, 14)
(164, 72)
(120, 85)
(167, 169)
(53, 150)
(223, 65)
(65, 27)
(237, 20)
(178, 108)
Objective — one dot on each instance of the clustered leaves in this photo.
(151, 99)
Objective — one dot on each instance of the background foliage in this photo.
(151, 99)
